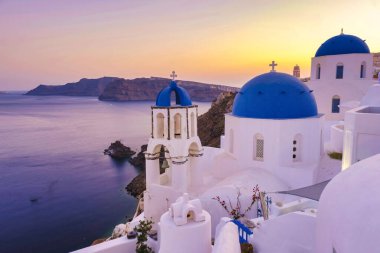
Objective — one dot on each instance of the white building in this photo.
(174, 127)
(274, 138)
(348, 217)
(341, 71)
(275, 126)
(361, 134)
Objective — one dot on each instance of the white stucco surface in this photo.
(372, 97)
(227, 240)
(289, 233)
(188, 238)
(348, 218)
(244, 182)
(361, 134)
(279, 149)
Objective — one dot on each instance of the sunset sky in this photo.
(216, 41)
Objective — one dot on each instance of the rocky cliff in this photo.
(148, 88)
(211, 123)
(85, 87)
(118, 89)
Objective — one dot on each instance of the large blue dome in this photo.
(182, 97)
(343, 44)
(275, 96)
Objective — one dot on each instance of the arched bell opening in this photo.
(177, 126)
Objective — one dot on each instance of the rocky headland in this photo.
(84, 87)
(148, 88)
(138, 89)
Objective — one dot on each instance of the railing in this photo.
(243, 231)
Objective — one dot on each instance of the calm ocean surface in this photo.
(51, 150)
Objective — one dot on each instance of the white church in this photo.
(278, 137)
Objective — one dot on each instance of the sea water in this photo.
(58, 192)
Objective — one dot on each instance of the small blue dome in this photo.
(275, 96)
(343, 44)
(182, 97)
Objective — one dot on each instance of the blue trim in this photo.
(343, 44)
(243, 231)
(164, 96)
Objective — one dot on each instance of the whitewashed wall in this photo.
(278, 146)
(350, 88)
(361, 134)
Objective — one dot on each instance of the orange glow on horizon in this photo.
(212, 41)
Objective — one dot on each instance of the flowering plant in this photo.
(235, 212)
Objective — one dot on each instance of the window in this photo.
(174, 98)
(296, 148)
(318, 76)
(339, 71)
(362, 70)
(160, 125)
(192, 119)
(335, 104)
(231, 141)
(177, 126)
(258, 150)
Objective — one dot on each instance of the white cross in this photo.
(173, 75)
(273, 65)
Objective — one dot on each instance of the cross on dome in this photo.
(341, 31)
(173, 75)
(273, 65)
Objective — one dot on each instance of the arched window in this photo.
(173, 98)
(192, 120)
(363, 70)
(258, 147)
(297, 148)
(231, 144)
(339, 71)
(160, 125)
(177, 126)
(318, 73)
(335, 104)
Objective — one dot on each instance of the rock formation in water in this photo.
(85, 87)
(118, 151)
(139, 160)
(137, 186)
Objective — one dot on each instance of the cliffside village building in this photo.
(281, 136)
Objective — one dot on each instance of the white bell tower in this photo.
(174, 128)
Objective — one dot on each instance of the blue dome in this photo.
(182, 97)
(275, 96)
(343, 44)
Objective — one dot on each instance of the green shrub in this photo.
(246, 248)
(336, 155)
(142, 236)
